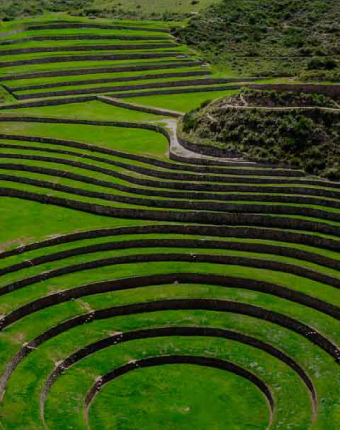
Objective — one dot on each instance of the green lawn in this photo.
(179, 394)
(95, 110)
(121, 139)
(184, 103)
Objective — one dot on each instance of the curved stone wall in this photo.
(107, 89)
(107, 80)
(94, 57)
(87, 71)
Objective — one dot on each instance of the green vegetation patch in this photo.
(127, 9)
(130, 140)
(299, 129)
(157, 398)
(266, 37)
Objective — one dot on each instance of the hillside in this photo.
(116, 9)
(291, 128)
(268, 38)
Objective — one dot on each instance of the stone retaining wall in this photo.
(177, 216)
(163, 305)
(139, 68)
(94, 57)
(108, 80)
(107, 89)
(179, 91)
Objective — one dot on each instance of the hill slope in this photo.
(271, 37)
(128, 9)
(295, 128)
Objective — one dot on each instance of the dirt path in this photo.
(284, 108)
(243, 100)
(177, 149)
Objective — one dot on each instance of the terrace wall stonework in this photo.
(87, 71)
(259, 220)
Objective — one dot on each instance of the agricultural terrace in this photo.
(143, 284)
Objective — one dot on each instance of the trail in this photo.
(284, 108)
(177, 149)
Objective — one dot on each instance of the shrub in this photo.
(317, 63)
(189, 121)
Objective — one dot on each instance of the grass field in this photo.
(143, 285)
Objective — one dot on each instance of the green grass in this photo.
(95, 110)
(121, 139)
(179, 394)
(24, 221)
(5, 96)
(182, 103)
(184, 318)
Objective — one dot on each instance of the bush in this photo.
(317, 63)
(189, 121)
(330, 64)
(279, 29)
(333, 173)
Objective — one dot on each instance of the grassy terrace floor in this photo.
(139, 291)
